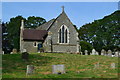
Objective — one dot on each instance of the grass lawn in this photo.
(76, 66)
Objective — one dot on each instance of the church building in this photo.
(57, 35)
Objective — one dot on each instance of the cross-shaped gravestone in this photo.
(58, 69)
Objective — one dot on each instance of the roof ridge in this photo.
(55, 20)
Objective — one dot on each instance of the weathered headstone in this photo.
(86, 52)
(116, 54)
(109, 53)
(97, 53)
(81, 53)
(102, 52)
(113, 65)
(105, 53)
(93, 52)
(113, 56)
(30, 69)
(96, 65)
(58, 69)
(14, 51)
(3, 52)
(25, 56)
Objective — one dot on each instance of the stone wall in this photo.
(64, 48)
(29, 46)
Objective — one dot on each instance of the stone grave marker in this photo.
(116, 54)
(97, 53)
(102, 52)
(14, 51)
(105, 53)
(86, 52)
(96, 65)
(3, 52)
(112, 65)
(30, 69)
(93, 52)
(109, 53)
(113, 56)
(58, 69)
(25, 56)
(81, 53)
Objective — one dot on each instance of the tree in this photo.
(102, 33)
(13, 28)
(33, 22)
(85, 46)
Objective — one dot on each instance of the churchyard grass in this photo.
(76, 66)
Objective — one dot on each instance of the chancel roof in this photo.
(33, 34)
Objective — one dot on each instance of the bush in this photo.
(85, 46)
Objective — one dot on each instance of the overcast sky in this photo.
(79, 13)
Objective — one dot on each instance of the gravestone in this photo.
(30, 69)
(105, 53)
(3, 52)
(113, 55)
(109, 53)
(58, 69)
(93, 52)
(102, 52)
(81, 53)
(14, 51)
(116, 54)
(86, 52)
(25, 56)
(97, 53)
(96, 65)
(112, 65)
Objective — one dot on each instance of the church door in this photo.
(39, 46)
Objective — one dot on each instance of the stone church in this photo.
(57, 35)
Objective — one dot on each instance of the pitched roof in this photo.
(46, 25)
(33, 34)
(63, 13)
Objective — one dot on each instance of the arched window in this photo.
(63, 34)
(60, 36)
(35, 44)
(66, 36)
